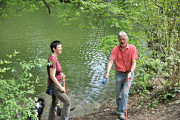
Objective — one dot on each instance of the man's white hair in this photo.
(122, 33)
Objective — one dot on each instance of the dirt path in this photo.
(165, 111)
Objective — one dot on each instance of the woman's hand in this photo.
(62, 89)
(63, 75)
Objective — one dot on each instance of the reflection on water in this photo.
(84, 66)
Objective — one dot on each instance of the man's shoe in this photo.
(122, 117)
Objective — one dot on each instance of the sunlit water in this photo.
(84, 66)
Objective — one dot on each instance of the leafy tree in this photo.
(16, 88)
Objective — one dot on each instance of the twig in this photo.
(157, 4)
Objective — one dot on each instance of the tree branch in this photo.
(157, 4)
(49, 10)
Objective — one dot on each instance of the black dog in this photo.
(39, 106)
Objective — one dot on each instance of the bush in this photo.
(16, 87)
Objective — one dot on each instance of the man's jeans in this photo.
(56, 96)
(121, 92)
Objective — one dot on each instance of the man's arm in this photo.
(133, 67)
(109, 65)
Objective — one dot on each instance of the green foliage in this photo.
(168, 96)
(107, 43)
(16, 87)
(147, 69)
(15, 7)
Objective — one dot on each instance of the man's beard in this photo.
(122, 44)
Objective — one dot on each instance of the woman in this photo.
(54, 80)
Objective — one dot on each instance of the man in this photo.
(125, 56)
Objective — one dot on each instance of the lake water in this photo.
(84, 66)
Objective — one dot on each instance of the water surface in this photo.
(84, 65)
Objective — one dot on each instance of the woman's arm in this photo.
(52, 76)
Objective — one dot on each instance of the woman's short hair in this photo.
(122, 33)
(54, 44)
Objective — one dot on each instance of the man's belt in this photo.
(125, 72)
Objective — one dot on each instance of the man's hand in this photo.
(129, 75)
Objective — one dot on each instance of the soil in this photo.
(141, 107)
(138, 111)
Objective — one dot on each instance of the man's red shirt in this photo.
(123, 59)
